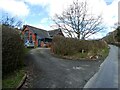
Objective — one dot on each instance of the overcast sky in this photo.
(38, 13)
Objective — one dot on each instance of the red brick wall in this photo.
(34, 38)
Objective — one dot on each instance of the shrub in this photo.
(69, 46)
(118, 34)
(62, 46)
(12, 50)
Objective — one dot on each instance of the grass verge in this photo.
(116, 44)
(102, 54)
(70, 48)
(105, 52)
(26, 50)
(12, 80)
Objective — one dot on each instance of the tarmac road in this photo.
(107, 76)
(51, 72)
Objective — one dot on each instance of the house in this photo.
(55, 32)
(39, 37)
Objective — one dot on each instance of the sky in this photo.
(39, 13)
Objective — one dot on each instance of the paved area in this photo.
(119, 67)
(107, 76)
(47, 71)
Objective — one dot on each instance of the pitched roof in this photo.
(40, 32)
(54, 32)
(43, 33)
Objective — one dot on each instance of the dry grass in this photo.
(74, 48)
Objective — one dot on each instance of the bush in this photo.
(62, 46)
(12, 50)
(118, 34)
(69, 46)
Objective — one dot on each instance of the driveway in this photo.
(47, 71)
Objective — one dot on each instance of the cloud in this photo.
(42, 26)
(96, 6)
(97, 36)
(14, 7)
(109, 13)
(53, 6)
(20, 8)
(44, 20)
(37, 2)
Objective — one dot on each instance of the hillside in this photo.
(113, 37)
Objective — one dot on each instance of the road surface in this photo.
(119, 68)
(51, 72)
(107, 76)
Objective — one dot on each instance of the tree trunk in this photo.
(83, 38)
(78, 35)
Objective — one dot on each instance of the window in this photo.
(30, 38)
(26, 35)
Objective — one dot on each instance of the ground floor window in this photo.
(31, 38)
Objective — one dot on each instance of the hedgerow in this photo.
(70, 46)
(12, 50)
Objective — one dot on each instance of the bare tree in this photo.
(10, 21)
(76, 20)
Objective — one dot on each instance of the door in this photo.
(39, 42)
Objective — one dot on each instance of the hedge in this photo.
(70, 46)
(12, 50)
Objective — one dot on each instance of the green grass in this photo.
(12, 80)
(105, 52)
(80, 55)
(26, 50)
